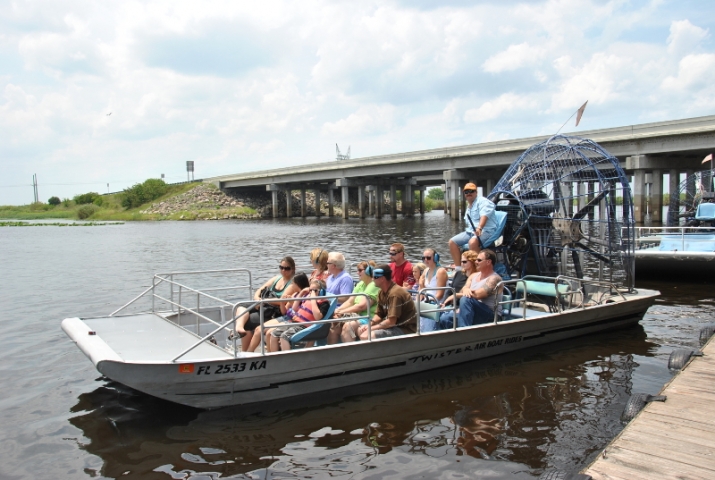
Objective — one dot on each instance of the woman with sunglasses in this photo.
(469, 266)
(348, 331)
(434, 275)
(280, 286)
(319, 261)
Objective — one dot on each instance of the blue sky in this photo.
(241, 86)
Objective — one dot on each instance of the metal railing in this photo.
(647, 237)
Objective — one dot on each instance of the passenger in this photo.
(481, 294)
(417, 270)
(401, 268)
(339, 281)
(305, 309)
(396, 313)
(280, 286)
(319, 261)
(469, 266)
(434, 276)
(480, 222)
(358, 308)
(301, 283)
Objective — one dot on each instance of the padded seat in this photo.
(705, 212)
(501, 223)
(317, 331)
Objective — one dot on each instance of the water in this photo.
(508, 417)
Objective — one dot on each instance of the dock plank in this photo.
(625, 464)
(671, 439)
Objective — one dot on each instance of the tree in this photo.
(54, 201)
(142, 193)
(435, 193)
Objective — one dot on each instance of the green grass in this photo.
(110, 210)
(57, 224)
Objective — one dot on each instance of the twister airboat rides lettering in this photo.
(468, 348)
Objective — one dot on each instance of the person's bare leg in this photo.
(475, 245)
(349, 333)
(335, 333)
(273, 345)
(456, 253)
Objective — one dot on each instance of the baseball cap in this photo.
(470, 186)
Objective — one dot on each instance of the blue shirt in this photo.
(480, 207)
(340, 285)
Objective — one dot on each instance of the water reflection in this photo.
(500, 415)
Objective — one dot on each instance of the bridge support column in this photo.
(490, 186)
(674, 202)
(303, 206)
(393, 200)
(569, 195)
(690, 189)
(446, 198)
(331, 200)
(454, 200)
(289, 203)
(591, 192)
(344, 199)
(274, 201)
(379, 201)
(656, 197)
(422, 200)
(408, 209)
(317, 202)
(582, 192)
(639, 197)
(361, 201)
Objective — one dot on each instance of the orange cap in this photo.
(470, 186)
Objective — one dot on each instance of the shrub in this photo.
(66, 202)
(142, 193)
(86, 211)
(85, 198)
(99, 201)
(54, 201)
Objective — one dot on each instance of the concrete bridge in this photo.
(646, 152)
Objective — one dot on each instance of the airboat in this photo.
(685, 246)
(566, 244)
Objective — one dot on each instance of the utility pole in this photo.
(34, 187)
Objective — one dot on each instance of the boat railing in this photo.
(648, 237)
(438, 308)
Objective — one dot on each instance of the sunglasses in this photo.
(360, 270)
(283, 268)
(426, 258)
(314, 290)
(480, 260)
(465, 261)
(468, 192)
(394, 253)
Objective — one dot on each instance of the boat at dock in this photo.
(685, 247)
(568, 263)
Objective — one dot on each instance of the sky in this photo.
(99, 96)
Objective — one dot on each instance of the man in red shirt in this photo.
(401, 268)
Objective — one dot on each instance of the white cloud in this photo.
(514, 57)
(506, 103)
(684, 37)
(694, 71)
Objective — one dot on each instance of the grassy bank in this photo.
(109, 208)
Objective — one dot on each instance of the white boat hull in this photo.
(209, 377)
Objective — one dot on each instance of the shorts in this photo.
(254, 320)
(462, 239)
(388, 332)
(287, 331)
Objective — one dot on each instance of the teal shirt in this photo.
(371, 291)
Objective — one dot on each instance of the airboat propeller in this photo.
(569, 212)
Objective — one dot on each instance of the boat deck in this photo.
(671, 439)
(148, 338)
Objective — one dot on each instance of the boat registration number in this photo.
(223, 368)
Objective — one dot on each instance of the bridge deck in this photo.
(671, 439)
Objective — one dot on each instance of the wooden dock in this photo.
(671, 439)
